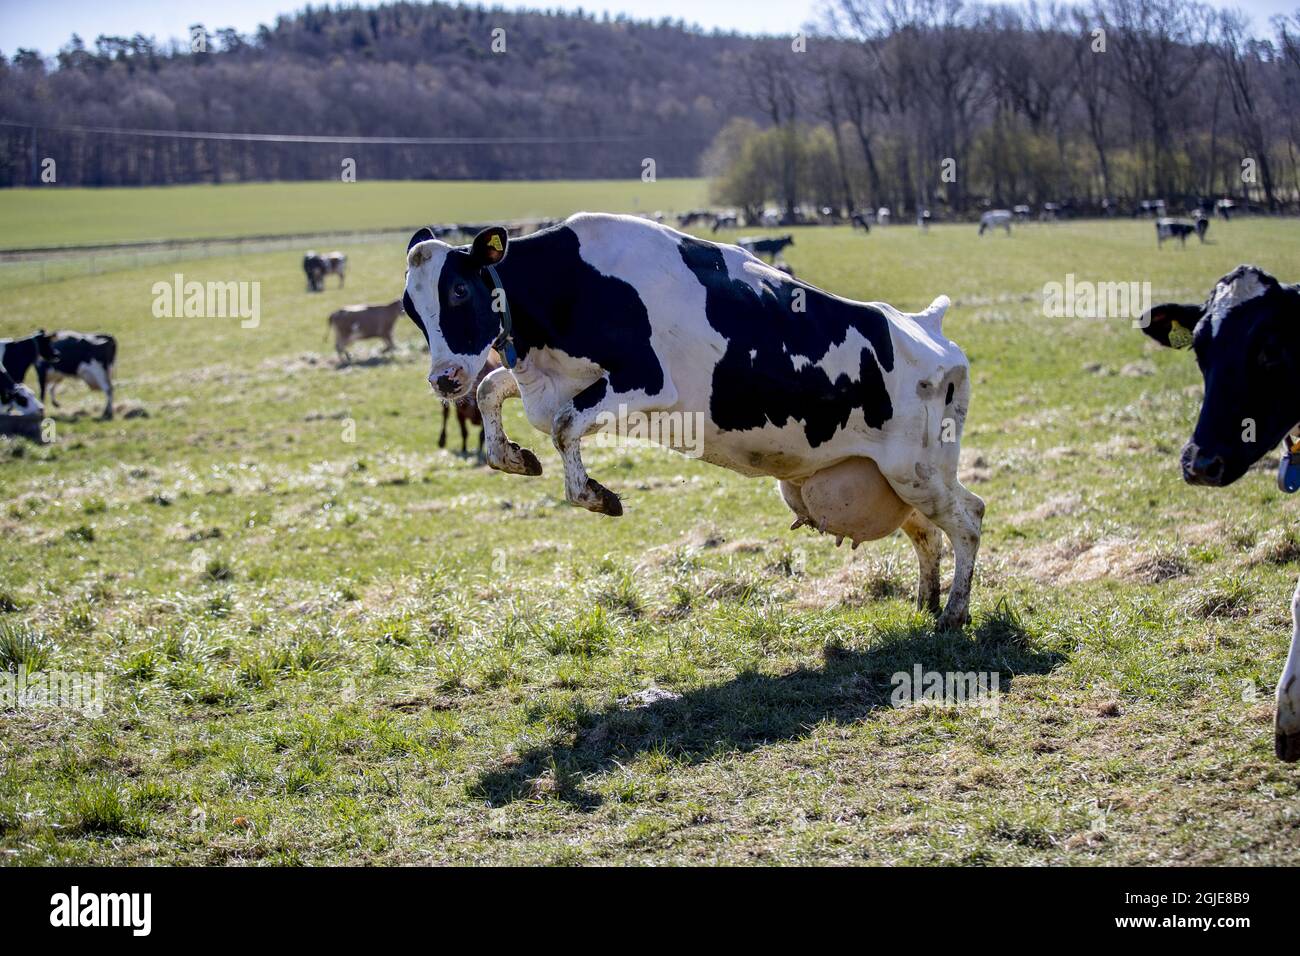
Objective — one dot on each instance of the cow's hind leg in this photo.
(589, 410)
(572, 422)
(95, 375)
(927, 541)
(1287, 722)
(442, 435)
(502, 453)
(959, 514)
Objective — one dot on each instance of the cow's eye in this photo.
(459, 292)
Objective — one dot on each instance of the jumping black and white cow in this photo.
(996, 219)
(16, 398)
(1180, 229)
(1246, 337)
(89, 357)
(764, 245)
(19, 355)
(612, 317)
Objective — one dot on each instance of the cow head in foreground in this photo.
(450, 298)
(1247, 343)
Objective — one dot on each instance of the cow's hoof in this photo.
(1287, 746)
(601, 500)
(532, 467)
(517, 461)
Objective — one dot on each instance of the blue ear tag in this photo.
(1288, 470)
(511, 357)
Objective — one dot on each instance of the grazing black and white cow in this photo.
(1180, 229)
(1246, 337)
(609, 317)
(336, 264)
(16, 398)
(860, 221)
(726, 220)
(19, 355)
(996, 219)
(314, 265)
(89, 357)
(764, 245)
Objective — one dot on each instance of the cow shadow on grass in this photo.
(754, 710)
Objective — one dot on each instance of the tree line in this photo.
(936, 104)
(590, 97)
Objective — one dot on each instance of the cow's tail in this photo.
(932, 318)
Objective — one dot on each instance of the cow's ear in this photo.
(422, 234)
(1171, 324)
(489, 246)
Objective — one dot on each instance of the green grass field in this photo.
(51, 216)
(326, 641)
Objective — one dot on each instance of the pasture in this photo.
(50, 216)
(326, 641)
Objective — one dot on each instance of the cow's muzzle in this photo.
(1202, 468)
(451, 382)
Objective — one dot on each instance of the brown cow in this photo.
(467, 412)
(354, 322)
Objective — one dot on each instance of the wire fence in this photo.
(27, 267)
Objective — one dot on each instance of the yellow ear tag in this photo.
(1179, 337)
(495, 242)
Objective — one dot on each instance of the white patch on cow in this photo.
(1227, 296)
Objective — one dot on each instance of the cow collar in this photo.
(505, 341)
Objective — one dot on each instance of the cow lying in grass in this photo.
(1247, 344)
(16, 398)
(614, 316)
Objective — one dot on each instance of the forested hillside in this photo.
(614, 92)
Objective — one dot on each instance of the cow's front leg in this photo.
(1287, 723)
(574, 419)
(502, 453)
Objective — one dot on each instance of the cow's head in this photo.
(449, 297)
(1247, 344)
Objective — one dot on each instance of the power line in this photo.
(346, 140)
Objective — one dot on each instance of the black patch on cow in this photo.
(952, 390)
(72, 349)
(409, 308)
(20, 355)
(756, 382)
(591, 396)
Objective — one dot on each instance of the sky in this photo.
(45, 25)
